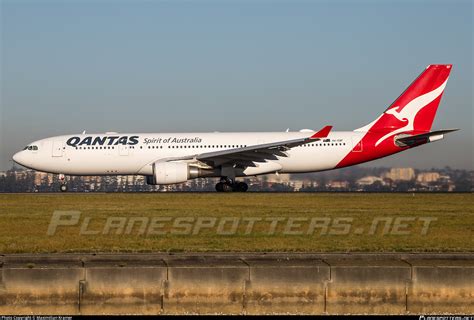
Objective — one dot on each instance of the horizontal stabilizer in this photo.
(406, 141)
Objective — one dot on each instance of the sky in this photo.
(199, 66)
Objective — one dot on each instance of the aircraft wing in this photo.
(247, 156)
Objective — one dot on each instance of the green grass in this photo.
(24, 221)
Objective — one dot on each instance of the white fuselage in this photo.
(113, 154)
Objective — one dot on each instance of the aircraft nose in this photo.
(19, 158)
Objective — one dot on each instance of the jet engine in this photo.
(175, 172)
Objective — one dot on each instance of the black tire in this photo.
(241, 187)
(220, 187)
(226, 187)
(63, 188)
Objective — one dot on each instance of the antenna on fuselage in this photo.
(84, 132)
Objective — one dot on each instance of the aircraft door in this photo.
(57, 148)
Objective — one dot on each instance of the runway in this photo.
(247, 283)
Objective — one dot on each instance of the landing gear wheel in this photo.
(220, 187)
(227, 187)
(63, 188)
(224, 187)
(241, 187)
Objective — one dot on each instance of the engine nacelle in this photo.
(170, 172)
(175, 172)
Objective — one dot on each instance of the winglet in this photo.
(323, 133)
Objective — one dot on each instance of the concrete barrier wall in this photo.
(40, 286)
(123, 286)
(205, 285)
(443, 285)
(367, 286)
(286, 285)
(236, 284)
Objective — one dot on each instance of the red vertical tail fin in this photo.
(414, 110)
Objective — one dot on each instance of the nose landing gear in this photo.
(63, 186)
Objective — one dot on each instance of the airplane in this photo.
(169, 158)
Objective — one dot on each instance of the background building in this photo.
(401, 174)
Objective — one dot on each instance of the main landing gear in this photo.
(228, 185)
(63, 186)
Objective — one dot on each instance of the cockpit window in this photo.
(32, 148)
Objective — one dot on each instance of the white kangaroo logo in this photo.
(411, 109)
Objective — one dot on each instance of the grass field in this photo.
(178, 222)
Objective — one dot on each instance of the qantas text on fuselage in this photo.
(167, 158)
